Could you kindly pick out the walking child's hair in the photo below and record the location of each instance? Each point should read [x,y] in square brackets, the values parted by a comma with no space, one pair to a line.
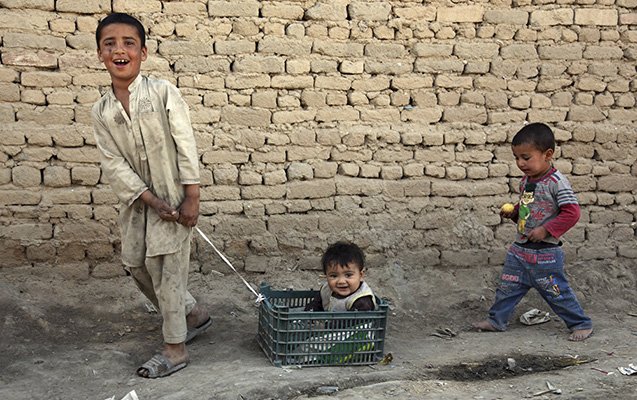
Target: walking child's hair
[342,253]
[537,134]
[120,18]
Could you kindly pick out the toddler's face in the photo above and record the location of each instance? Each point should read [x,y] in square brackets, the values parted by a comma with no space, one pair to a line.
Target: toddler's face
[532,161]
[344,279]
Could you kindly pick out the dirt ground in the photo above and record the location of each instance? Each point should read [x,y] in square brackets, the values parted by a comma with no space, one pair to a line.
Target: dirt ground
[68,339]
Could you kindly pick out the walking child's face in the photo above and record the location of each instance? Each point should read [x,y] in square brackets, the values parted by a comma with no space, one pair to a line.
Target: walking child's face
[121,51]
[531,160]
[344,280]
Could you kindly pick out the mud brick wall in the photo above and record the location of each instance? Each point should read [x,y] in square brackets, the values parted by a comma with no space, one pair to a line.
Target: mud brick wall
[383,122]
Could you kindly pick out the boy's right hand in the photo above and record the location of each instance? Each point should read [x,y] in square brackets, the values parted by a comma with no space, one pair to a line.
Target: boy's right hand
[165,210]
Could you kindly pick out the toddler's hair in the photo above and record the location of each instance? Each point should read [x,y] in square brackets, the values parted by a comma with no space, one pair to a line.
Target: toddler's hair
[536,134]
[342,253]
[120,18]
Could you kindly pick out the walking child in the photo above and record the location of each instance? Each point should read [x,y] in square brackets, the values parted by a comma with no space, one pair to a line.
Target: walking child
[547,209]
[344,266]
[149,156]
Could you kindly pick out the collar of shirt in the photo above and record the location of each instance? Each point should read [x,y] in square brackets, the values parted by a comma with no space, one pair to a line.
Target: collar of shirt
[131,88]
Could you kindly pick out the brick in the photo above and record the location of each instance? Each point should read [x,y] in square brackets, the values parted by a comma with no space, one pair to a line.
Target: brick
[284,46]
[329,11]
[460,14]
[379,11]
[224,156]
[183,8]
[596,17]
[291,117]
[57,176]
[603,53]
[419,13]
[283,11]
[561,52]
[137,6]
[519,52]
[337,114]
[46,5]
[559,16]
[239,8]
[585,113]
[259,64]
[26,176]
[9,92]
[38,58]
[385,50]
[84,7]
[514,17]
[233,47]
[469,188]
[46,79]
[185,48]
[432,50]
[65,196]
[471,51]
[246,116]
[617,183]
[19,20]
[240,81]
[292,82]
[338,49]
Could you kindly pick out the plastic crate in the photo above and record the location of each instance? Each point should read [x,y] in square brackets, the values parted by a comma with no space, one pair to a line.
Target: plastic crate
[291,336]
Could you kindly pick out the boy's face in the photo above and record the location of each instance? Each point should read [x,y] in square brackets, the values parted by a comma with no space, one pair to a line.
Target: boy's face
[344,280]
[121,51]
[532,161]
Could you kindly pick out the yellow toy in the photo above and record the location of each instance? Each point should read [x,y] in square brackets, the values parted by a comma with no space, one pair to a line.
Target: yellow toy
[507,208]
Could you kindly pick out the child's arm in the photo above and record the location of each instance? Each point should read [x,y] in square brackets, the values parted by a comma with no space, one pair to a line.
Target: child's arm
[124,181]
[566,218]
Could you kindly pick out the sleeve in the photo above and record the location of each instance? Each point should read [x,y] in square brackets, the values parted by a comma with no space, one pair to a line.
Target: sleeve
[124,181]
[316,304]
[182,134]
[364,304]
[569,210]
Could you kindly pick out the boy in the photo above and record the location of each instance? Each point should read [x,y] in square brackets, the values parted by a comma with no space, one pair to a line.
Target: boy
[547,209]
[149,157]
[344,266]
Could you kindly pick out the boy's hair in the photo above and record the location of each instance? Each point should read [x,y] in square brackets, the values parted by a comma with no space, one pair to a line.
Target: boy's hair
[536,134]
[343,253]
[120,18]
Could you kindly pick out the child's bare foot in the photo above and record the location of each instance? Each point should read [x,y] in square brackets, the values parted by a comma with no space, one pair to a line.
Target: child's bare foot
[483,326]
[579,335]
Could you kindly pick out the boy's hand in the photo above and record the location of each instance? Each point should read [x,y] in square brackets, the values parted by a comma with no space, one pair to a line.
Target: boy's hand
[165,210]
[537,234]
[189,212]
[189,208]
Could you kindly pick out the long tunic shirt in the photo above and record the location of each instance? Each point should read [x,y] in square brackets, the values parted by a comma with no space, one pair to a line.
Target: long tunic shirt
[153,149]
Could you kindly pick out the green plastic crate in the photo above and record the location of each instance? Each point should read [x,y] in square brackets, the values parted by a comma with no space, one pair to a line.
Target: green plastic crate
[291,336]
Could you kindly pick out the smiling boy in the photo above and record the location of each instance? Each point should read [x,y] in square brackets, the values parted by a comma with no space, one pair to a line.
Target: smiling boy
[345,290]
[149,157]
[547,209]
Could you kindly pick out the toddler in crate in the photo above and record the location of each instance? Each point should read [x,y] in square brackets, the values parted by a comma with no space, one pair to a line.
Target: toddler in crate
[344,268]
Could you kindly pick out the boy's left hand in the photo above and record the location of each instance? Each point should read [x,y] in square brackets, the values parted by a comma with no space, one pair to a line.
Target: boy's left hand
[189,212]
[537,234]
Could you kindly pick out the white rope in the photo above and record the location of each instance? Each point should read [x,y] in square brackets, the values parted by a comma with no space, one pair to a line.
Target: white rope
[259,296]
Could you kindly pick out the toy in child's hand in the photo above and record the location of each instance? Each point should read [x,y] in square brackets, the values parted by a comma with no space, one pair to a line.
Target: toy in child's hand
[507,208]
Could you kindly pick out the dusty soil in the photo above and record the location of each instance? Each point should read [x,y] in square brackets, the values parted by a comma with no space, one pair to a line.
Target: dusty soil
[68,339]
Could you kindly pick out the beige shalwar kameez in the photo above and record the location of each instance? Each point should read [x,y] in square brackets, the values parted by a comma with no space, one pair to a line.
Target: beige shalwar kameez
[153,149]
